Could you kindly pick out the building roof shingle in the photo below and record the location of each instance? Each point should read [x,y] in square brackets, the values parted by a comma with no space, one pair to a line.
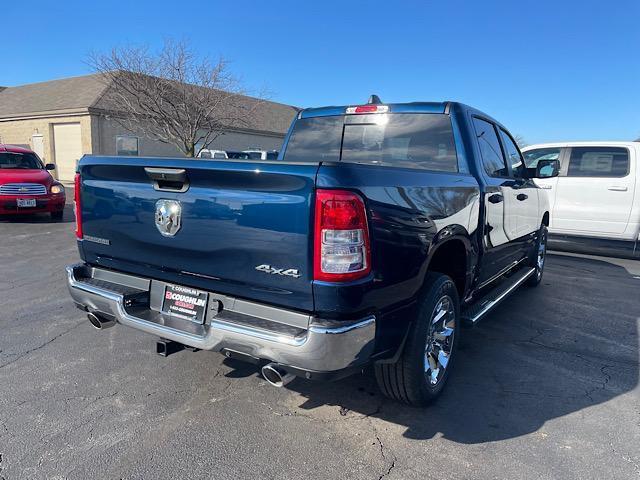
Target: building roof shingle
[86,92]
[65,94]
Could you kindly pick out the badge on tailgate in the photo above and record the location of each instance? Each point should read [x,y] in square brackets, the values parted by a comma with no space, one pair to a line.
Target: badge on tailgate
[168,217]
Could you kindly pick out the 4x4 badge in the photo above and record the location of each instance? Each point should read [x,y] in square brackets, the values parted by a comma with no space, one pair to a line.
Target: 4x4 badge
[287,272]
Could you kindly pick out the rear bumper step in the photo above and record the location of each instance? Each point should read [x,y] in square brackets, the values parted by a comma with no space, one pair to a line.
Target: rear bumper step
[288,338]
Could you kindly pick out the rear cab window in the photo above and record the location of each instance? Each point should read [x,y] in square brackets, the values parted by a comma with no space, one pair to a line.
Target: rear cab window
[408,140]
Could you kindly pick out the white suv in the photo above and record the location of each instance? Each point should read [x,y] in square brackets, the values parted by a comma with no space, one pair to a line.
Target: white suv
[595,200]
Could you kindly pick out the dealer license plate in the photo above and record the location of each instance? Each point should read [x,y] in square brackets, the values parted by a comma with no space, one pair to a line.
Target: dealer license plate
[26,202]
[185,302]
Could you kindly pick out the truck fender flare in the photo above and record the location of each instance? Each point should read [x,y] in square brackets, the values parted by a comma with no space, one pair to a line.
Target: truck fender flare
[445,236]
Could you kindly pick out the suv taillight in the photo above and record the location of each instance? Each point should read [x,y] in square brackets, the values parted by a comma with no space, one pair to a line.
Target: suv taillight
[77,208]
[341,237]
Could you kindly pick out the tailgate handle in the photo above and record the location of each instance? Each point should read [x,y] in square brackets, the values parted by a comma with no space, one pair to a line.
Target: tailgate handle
[168,179]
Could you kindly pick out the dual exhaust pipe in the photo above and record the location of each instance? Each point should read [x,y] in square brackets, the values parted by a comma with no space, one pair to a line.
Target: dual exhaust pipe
[272,373]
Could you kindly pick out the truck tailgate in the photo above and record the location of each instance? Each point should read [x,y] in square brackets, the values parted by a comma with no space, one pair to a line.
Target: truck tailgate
[235,216]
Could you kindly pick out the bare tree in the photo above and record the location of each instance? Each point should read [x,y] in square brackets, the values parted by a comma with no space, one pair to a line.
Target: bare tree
[520,141]
[173,96]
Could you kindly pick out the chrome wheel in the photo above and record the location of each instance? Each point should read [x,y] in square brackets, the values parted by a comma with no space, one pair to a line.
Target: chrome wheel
[440,337]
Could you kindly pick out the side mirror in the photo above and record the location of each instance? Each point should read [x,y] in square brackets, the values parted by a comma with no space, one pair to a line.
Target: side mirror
[547,168]
[50,166]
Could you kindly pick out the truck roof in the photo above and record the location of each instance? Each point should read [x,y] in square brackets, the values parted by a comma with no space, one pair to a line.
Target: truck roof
[411,107]
[414,107]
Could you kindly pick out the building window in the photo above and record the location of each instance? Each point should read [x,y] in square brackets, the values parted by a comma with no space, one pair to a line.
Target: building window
[126,145]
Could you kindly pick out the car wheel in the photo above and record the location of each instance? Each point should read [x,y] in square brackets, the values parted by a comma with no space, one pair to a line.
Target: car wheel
[57,215]
[539,259]
[420,374]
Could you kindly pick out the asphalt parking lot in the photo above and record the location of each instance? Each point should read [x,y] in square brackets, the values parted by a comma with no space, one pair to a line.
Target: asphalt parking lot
[546,387]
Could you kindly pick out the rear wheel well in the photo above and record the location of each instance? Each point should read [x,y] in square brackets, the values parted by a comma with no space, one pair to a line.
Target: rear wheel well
[451,259]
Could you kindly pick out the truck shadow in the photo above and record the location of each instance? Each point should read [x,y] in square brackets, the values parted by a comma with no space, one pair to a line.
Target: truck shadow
[570,344]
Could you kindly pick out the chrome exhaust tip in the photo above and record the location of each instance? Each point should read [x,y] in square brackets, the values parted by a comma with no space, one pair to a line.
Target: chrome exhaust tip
[276,376]
[99,322]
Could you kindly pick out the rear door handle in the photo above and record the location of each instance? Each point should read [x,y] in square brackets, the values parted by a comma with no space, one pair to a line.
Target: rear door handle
[522,196]
[495,198]
[617,188]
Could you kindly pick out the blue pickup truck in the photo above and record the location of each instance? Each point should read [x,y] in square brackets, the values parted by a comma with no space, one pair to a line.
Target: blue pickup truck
[379,231]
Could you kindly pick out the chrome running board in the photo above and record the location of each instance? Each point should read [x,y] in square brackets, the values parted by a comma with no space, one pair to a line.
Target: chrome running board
[472,314]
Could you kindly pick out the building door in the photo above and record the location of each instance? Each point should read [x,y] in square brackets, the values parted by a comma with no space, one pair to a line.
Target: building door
[67,146]
[37,140]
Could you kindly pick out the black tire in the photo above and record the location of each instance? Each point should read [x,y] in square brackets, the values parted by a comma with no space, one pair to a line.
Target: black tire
[538,258]
[57,215]
[409,380]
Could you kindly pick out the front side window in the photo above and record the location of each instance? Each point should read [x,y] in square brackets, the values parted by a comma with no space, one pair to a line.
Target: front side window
[532,157]
[272,155]
[126,145]
[490,150]
[598,162]
[21,161]
[513,155]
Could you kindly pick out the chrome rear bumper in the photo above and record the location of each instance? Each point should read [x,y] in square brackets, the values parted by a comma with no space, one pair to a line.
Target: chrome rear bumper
[288,338]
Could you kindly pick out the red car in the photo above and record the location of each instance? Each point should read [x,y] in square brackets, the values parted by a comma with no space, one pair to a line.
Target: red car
[26,186]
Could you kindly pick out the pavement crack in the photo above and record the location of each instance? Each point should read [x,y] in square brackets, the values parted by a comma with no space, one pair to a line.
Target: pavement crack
[603,384]
[626,458]
[391,465]
[35,349]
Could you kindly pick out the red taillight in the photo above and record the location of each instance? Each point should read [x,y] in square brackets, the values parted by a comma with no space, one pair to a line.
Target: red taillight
[341,237]
[77,205]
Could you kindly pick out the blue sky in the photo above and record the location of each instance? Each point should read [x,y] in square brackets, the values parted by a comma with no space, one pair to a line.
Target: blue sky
[549,70]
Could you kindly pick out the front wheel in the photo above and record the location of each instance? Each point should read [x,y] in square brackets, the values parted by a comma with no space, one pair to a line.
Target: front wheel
[540,255]
[420,374]
[57,216]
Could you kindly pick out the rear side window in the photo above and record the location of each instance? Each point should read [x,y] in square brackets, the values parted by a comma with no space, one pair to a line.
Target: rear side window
[315,139]
[598,162]
[406,140]
[532,157]
[490,150]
